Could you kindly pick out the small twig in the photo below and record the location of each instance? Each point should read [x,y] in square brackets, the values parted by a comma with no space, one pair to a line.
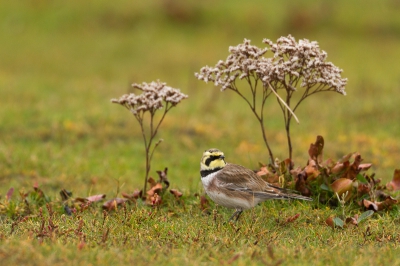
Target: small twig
[287,107]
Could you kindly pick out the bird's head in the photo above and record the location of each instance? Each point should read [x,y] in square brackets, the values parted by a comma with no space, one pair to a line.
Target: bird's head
[212,159]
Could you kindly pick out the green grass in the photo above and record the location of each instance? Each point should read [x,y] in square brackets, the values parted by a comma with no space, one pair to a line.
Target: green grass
[61,63]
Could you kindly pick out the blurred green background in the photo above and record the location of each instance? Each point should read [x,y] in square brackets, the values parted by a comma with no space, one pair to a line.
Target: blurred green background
[62,61]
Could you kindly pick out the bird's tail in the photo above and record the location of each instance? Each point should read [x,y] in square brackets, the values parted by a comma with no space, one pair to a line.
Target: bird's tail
[281,193]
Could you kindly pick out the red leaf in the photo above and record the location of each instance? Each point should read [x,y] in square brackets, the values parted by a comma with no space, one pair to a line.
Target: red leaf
[9,193]
[395,183]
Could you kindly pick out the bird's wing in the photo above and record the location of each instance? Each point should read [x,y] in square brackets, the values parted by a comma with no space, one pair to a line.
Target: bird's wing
[237,177]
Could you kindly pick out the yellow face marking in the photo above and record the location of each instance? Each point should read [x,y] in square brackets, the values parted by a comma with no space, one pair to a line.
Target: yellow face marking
[212,158]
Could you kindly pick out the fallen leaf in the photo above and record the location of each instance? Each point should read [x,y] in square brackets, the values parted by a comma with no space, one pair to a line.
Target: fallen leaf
[394,184]
[315,150]
[292,218]
[96,198]
[157,188]
[134,196]
[354,168]
[155,200]
[342,185]
[311,170]
[65,194]
[364,166]
[300,184]
[369,205]
[352,220]
[329,222]
[113,203]
[363,189]
[151,181]
[176,193]
[263,170]
[163,177]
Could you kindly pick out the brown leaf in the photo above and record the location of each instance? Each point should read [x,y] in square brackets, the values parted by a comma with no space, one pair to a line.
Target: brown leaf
[176,193]
[157,188]
[387,203]
[65,194]
[342,185]
[151,181]
[363,189]
[96,198]
[329,222]
[369,205]
[352,220]
[394,184]
[311,170]
[263,170]
[340,167]
[154,200]
[364,166]
[354,169]
[134,196]
[301,184]
[113,203]
[163,177]
[315,150]
[292,218]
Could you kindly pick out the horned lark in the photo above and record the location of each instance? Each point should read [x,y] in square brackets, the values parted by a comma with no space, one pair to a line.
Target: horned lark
[236,187]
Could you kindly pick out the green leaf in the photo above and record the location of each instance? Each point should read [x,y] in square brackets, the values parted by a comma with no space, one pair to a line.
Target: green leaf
[325,187]
[361,178]
[365,215]
[338,222]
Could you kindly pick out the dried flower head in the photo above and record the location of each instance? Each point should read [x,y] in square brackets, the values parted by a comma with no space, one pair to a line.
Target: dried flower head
[244,60]
[291,62]
[155,95]
[291,66]
[302,60]
[152,98]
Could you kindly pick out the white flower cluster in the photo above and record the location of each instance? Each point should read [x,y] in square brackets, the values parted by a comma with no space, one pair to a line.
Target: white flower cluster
[244,60]
[152,98]
[291,62]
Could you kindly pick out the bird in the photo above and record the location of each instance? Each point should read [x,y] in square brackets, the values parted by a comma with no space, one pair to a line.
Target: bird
[237,187]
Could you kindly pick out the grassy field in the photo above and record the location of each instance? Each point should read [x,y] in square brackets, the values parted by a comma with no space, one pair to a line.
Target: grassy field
[61,63]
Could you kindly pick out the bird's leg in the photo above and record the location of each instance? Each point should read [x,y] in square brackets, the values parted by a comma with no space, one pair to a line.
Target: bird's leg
[237,213]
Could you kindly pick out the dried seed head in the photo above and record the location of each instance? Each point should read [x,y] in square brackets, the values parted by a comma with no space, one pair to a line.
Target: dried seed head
[302,60]
[153,97]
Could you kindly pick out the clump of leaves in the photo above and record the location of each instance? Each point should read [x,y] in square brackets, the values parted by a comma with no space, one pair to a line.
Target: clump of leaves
[335,182]
[154,96]
[293,67]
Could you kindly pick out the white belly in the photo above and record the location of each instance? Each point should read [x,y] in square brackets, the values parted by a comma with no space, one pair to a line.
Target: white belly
[227,200]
